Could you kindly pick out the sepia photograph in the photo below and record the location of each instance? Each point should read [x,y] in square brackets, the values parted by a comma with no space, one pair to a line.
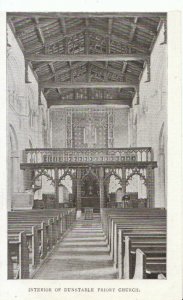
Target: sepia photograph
[87,145]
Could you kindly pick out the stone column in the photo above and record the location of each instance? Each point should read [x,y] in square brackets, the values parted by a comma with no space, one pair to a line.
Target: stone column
[150,187]
[101,187]
[56,187]
[78,183]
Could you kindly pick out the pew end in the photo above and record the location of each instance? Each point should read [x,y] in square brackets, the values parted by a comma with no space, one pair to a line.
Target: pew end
[140,265]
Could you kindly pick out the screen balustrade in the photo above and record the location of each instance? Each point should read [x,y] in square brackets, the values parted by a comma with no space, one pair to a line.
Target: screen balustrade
[110,155]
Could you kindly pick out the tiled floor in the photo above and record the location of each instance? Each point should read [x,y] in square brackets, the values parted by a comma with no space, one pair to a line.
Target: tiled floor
[82,254]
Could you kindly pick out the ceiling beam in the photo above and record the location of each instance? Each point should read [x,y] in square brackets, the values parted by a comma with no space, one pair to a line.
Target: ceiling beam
[102,33]
[89,66]
[133,26]
[54,15]
[39,31]
[110,23]
[54,74]
[119,39]
[88,102]
[86,37]
[85,57]
[145,27]
[124,67]
[26,29]
[46,92]
[52,68]
[115,71]
[108,42]
[76,85]
[60,71]
[62,22]
[71,71]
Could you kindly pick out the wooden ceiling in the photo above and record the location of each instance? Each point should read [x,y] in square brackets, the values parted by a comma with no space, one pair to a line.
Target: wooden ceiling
[87,58]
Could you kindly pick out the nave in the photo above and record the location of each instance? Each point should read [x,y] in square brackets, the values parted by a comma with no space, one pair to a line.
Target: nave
[82,254]
[87,121]
[116,244]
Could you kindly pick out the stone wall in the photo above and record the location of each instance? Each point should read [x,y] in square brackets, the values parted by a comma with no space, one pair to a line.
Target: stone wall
[27,122]
[148,120]
[120,128]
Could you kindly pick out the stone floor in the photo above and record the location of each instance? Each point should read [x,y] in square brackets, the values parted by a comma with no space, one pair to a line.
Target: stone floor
[82,254]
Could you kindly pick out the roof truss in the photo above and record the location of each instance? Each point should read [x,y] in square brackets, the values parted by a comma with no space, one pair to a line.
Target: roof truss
[72,51]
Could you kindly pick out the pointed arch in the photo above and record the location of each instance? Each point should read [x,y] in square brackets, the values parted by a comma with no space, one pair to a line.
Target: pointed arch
[113,173]
[136,172]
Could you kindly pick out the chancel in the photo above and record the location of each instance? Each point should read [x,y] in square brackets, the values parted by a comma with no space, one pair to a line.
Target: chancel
[87,145]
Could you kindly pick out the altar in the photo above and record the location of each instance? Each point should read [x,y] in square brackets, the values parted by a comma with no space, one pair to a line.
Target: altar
[91,201]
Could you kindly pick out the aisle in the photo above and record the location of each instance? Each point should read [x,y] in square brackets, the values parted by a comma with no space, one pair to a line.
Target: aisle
[82,254]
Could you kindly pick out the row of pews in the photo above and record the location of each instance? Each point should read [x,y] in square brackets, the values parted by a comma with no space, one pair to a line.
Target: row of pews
[31,237]
[137,241]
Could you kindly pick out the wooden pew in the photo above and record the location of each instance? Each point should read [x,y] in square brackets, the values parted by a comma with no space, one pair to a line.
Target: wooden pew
[31,239]
[154,248]
[161,276]
[141,232]
[62,218]
[132,214]
[148,224]
[145,266]
[45,230]
[107,216]
[41,228]
[106,213]
[139,223]
[53,217]
[37,217]
[17,249]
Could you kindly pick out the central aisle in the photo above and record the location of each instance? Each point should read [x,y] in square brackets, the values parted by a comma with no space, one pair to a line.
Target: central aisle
[82,254]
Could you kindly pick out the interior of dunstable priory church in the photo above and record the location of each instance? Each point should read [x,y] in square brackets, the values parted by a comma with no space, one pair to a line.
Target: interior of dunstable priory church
[86,145]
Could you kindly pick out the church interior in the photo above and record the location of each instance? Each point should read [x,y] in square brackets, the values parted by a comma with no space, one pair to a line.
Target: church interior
[87,145]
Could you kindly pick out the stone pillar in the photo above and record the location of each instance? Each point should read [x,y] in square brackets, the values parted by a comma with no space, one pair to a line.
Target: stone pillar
[78,183]
[123,182]
[101,187]
[150,187]
[56,187]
